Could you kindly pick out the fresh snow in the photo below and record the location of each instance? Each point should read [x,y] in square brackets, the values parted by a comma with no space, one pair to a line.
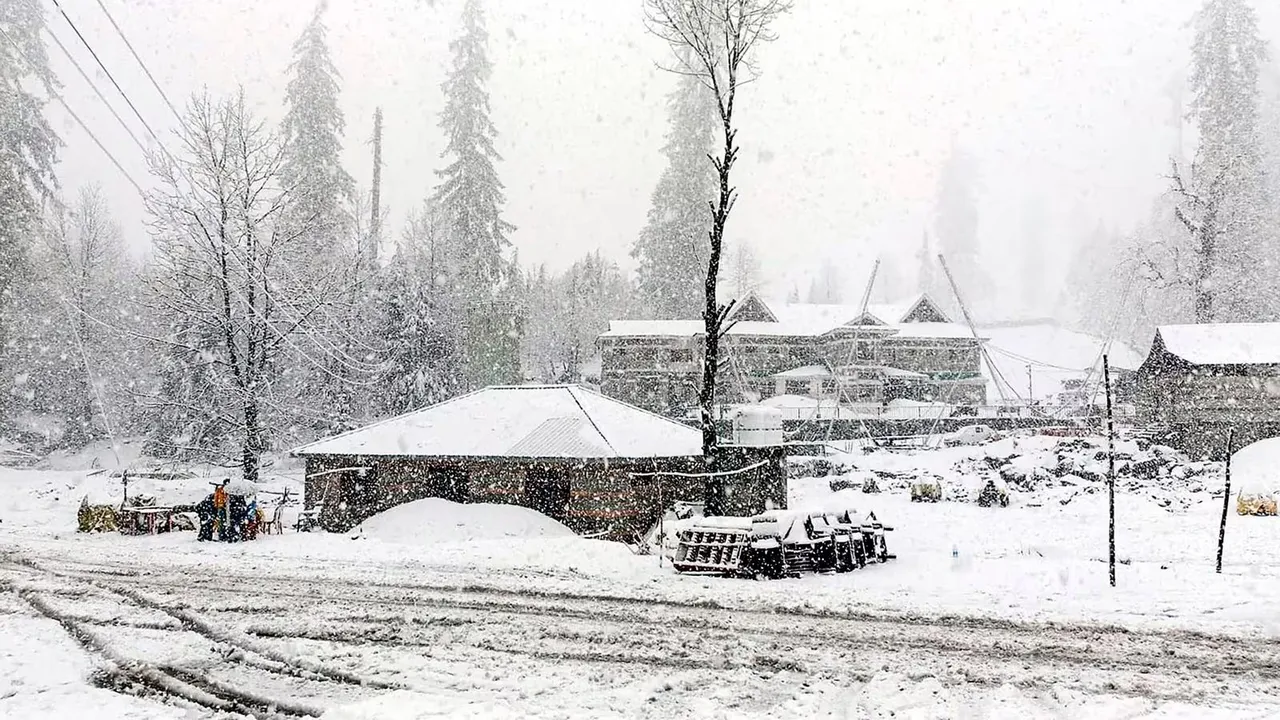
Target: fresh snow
[1224,343]
[537,421]
[508,614]
[434,520]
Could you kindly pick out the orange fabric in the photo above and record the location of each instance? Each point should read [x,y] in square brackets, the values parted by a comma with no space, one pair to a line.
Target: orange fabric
[219,497]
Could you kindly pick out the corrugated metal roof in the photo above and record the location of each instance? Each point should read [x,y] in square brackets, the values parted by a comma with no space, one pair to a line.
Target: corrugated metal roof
[560,437]
[534,421]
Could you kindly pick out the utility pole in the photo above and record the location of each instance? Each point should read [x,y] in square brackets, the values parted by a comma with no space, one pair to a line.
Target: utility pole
[1031,391]
[1226,499]
[375,222]
[1111,472]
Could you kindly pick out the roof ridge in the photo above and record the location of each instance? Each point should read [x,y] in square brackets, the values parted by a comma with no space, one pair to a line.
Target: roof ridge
[594,426]
[629,406]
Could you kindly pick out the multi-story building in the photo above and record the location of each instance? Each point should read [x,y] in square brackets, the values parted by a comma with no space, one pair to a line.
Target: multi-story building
[900,351]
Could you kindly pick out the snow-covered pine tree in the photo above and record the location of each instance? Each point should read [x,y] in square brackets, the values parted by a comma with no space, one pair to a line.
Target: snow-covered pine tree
[672,248]
[28,144]
[323,202]
[81,269]
[956,227]
[322,192]
[926,269]
[417,352]
[1221,198]
[1030,250]
[827,287]
[567,312]
[741,272]
[470,199]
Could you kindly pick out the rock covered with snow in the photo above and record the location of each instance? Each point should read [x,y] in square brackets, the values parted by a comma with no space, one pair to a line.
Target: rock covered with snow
[1036,465]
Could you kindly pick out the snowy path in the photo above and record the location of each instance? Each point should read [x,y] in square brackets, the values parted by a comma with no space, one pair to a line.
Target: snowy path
[285,644]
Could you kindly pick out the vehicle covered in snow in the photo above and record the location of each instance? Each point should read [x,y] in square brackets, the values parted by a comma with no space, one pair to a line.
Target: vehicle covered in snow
[781,543]
[970,435]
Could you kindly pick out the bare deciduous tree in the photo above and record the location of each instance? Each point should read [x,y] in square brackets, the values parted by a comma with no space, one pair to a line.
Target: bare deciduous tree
[715,41]
[1199,207]
[222,249]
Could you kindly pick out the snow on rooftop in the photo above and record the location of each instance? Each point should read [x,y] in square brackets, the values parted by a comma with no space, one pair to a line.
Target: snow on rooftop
[654,328]
[535,421]
[801,320]
[1224,343]
[932,330]
[803,373]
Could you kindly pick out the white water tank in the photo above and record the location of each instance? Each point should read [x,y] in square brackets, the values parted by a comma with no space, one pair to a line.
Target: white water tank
[757,426]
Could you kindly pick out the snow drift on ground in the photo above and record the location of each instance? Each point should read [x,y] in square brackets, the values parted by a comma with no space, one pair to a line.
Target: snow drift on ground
[434,520]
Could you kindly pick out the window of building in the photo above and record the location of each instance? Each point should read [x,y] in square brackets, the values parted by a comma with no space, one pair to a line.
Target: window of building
[681,356]
[797,387]
[864,351]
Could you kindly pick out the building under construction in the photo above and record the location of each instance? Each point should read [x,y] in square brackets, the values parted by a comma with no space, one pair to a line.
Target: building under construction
[870,354]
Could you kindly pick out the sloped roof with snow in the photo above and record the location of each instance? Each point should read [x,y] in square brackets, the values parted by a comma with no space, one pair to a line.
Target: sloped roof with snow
[804,373]
[805,320]
[1223,343]
[534,421]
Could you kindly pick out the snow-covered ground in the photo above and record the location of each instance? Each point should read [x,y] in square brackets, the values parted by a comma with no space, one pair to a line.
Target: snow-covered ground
[986,613]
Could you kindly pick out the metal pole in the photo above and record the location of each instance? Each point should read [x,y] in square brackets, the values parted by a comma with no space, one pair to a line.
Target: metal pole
[1111,473]
[1226,499]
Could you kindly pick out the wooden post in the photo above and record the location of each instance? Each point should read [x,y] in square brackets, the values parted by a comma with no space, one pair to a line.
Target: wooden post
[1226,499]
[1111,473]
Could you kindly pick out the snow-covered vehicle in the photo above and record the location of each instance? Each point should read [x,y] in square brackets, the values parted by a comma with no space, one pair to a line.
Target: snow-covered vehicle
[970,435]
[780,543]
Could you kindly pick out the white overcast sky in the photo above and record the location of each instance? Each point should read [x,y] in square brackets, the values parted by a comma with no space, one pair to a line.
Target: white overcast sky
[843,135]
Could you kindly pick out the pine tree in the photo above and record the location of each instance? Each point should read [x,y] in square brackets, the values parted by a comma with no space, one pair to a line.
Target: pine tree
[470,199]
[1031,244]
[322,190]
[673,247]
[827,287]
[956,226]
[419,360]
[926,276]
[324,206]
[1221,198]
[28,144]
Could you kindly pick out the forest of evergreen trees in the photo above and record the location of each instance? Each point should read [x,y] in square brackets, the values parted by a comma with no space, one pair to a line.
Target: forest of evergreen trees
[275,305]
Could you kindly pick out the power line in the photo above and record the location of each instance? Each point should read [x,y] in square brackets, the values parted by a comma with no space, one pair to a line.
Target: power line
[96,91]
[336,353]
[141,64]
[110,77]
[56,96]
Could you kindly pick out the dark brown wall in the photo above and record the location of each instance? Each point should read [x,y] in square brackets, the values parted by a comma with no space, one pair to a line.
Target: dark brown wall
[620,498]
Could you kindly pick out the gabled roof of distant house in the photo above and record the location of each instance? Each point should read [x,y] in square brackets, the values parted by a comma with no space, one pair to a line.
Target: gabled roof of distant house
[528,422]
[1221,343]
[919,316]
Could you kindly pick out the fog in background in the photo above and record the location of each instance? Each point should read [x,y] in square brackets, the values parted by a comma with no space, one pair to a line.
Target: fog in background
[1070,110]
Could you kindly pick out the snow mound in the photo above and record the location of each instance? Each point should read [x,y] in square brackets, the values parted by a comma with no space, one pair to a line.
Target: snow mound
[436,520]
[1254,467]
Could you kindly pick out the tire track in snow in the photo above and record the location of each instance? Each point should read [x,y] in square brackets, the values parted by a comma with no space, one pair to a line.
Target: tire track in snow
[122,674]
[572,628]
[184,684]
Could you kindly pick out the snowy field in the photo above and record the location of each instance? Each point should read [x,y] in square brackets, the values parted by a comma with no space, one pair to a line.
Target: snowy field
[446,611]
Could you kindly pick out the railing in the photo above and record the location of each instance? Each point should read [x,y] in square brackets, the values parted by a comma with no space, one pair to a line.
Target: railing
[943,412]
